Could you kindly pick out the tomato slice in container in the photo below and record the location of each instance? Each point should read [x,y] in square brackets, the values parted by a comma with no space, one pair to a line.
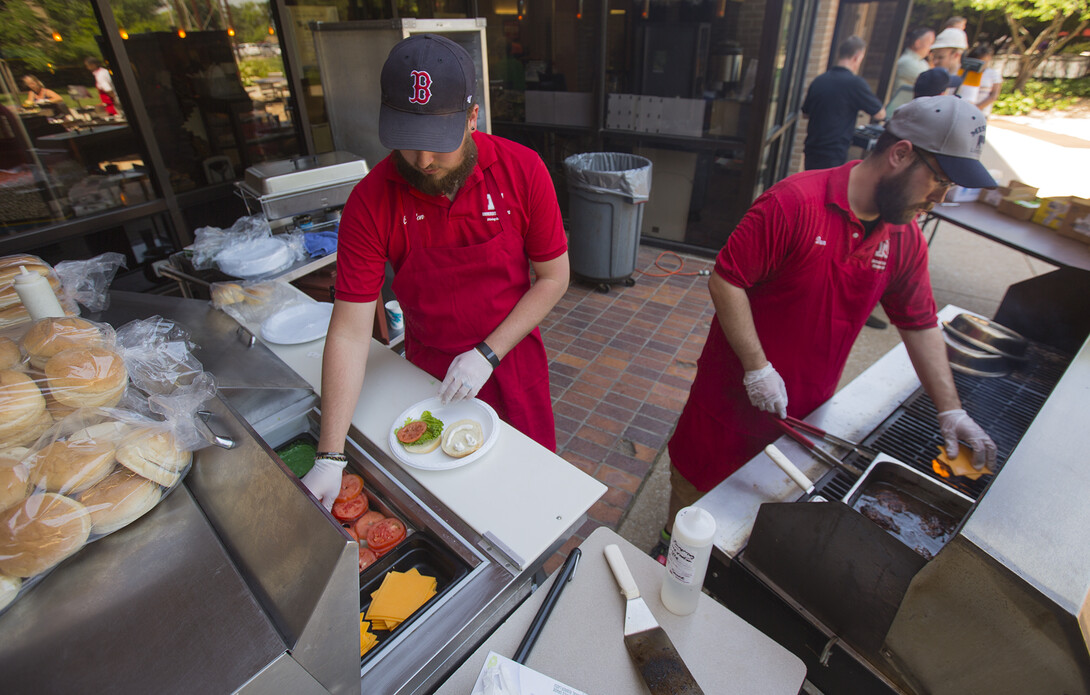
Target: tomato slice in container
[350,510]
[351,528]
[367,558]
[384,535]
[351,486]
[366,521]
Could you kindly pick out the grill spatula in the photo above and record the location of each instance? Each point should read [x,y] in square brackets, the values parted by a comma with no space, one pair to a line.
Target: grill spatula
[656,658]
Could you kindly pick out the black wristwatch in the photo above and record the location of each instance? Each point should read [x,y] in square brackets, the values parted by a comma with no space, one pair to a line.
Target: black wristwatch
[488,354]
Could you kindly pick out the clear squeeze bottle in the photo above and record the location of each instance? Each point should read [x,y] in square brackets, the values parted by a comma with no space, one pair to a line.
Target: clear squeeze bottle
[687,560]
[37,295]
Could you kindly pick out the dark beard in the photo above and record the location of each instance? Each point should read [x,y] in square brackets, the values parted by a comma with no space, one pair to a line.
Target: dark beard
[447,185]
[893,204]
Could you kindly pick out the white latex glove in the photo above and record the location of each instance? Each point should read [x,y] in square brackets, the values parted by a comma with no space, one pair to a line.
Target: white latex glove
[766,390]
[324,480]
[955,425]
[465,376]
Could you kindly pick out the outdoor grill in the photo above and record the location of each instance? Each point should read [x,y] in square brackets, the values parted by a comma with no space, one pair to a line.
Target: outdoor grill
[1000,608]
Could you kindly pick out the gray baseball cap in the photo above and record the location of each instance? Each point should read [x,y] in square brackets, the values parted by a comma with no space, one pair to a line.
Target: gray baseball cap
[427,84]
[950,128]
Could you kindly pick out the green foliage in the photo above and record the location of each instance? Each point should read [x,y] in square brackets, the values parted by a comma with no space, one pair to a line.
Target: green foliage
[253,67]
[1041,95]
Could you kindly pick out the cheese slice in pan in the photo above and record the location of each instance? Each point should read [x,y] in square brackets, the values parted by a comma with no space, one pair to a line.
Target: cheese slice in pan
[399,596]
[962,464]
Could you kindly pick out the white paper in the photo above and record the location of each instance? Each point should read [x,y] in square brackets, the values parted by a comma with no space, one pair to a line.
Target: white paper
[501,676]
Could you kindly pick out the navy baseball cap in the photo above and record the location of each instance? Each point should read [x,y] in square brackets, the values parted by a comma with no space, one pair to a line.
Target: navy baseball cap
[427,84]
[950,128]
[931,82]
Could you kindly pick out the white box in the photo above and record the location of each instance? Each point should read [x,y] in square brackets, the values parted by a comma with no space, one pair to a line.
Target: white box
[957,194]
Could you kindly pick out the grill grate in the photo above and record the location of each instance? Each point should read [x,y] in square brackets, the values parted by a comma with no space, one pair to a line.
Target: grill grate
[1003,406]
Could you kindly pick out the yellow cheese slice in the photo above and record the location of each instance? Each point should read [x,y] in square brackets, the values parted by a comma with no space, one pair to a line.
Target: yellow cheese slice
[961,465]
[398,597]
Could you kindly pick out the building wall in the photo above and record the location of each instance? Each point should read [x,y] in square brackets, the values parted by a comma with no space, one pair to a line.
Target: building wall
[820,50]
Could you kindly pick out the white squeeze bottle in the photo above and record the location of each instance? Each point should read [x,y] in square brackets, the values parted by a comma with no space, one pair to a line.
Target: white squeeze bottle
[37,295]
[687,560]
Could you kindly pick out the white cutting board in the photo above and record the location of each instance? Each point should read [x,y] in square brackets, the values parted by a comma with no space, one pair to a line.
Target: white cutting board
[519,493]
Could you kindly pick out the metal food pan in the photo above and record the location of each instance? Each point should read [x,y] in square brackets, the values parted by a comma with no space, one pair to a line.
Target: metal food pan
[924,494]
[420,552]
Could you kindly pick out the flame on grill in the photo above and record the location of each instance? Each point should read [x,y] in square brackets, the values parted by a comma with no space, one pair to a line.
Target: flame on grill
[941,468]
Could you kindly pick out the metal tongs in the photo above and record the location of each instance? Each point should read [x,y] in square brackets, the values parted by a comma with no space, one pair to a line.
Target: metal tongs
[794,428]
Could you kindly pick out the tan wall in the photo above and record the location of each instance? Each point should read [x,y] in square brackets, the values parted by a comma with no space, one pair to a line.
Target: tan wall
[821,48]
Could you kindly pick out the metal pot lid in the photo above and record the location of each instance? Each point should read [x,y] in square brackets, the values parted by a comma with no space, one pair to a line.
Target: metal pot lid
[988,336]
[967,359]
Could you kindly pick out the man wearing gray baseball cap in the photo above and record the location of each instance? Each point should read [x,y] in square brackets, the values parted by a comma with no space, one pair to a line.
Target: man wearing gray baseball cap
[462,217]
[798,278]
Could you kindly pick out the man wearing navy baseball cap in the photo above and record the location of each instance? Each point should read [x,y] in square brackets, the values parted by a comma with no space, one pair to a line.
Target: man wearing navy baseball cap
[800,274]
[462,217]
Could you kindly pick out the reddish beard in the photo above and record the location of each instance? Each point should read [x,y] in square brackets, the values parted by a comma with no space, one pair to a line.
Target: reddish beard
[450,182]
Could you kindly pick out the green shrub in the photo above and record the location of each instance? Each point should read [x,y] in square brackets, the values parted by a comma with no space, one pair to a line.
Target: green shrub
[1041,95]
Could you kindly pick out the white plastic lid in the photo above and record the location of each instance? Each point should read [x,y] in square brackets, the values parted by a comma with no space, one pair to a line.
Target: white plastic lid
[694,525]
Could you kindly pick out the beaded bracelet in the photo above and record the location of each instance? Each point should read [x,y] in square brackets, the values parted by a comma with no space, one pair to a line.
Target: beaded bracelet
[331,456]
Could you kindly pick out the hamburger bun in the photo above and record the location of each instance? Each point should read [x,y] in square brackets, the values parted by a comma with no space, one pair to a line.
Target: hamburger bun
[9,589]
[72,465]
[21,401]
[226,293]
[86,377]
[29,433]
[155,454]
[14,479]
[120,499]
[42,530]
[462,438]
[49,336]
[10,356]
[425,448]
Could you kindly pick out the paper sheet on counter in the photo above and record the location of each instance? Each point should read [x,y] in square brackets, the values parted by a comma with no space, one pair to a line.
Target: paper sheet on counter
[502,676]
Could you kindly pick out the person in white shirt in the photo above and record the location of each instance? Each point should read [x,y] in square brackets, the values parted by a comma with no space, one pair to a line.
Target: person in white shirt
[991,82]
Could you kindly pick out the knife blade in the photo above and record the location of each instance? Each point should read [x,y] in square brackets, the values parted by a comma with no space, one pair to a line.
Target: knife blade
[655,656]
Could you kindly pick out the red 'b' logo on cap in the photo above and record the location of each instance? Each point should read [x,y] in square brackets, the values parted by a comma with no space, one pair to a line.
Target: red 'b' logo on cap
[421,87]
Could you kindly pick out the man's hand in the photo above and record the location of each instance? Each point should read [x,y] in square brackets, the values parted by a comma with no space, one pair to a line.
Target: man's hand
[766,390]
[324,480]
[955,425]
[465,376]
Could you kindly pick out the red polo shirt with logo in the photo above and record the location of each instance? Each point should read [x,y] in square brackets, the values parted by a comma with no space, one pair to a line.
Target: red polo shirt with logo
[371,233]
[813,276]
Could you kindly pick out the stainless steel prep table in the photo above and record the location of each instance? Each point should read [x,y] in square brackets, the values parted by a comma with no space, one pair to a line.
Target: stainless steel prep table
[260,591]
[582,644]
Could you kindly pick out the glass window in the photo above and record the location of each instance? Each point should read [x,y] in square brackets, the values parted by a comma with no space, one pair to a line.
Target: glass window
[214,85]
[67,149]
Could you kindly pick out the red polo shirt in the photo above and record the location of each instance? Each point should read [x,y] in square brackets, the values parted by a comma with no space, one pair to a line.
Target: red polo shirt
[813,277]
[372,231]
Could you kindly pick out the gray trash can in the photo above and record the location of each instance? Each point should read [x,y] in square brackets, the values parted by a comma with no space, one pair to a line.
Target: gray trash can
[606,193]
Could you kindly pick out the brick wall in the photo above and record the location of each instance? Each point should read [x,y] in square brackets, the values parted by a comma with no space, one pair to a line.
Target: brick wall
[821,47]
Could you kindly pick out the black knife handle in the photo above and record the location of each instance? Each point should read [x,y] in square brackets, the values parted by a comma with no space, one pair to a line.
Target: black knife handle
[567,571]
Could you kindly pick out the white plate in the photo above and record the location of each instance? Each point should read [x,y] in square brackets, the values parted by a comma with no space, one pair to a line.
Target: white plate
[254,257]
[299,323]
[452,412]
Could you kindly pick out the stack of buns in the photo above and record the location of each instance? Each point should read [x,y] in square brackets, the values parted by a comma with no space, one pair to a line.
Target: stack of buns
[23,414]
[12,311]
[55,497]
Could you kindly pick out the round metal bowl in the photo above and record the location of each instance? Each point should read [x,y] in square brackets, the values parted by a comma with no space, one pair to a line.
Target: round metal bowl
[988,336]
[968,359]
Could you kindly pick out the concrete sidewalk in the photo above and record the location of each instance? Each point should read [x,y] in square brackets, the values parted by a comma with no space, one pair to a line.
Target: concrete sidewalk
[967,270]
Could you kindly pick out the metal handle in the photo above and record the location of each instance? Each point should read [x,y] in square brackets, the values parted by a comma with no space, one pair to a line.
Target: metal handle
[621,572]
[223,442]
[562,578]
[789,468]
[245,336]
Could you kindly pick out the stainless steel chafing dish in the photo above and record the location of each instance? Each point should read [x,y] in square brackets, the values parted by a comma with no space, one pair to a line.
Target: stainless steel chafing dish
[300,185]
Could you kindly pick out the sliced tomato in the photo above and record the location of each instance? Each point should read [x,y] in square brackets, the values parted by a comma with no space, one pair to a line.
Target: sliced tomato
[351,486]
[412,431]
[351,528]
[367,558]
[365,522]
[384,535]
[350,510]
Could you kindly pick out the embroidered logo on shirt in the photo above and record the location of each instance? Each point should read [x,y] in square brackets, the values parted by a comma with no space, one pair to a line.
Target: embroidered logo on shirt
[419,216]
[878,262]
[490,213]
[819,241]
[421,87]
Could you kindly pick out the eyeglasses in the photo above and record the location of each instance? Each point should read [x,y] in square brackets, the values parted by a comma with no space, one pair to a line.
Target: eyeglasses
[943,182]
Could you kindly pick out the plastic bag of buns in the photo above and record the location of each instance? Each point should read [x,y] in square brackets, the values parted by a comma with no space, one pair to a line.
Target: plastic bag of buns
[159,355]
[12,311]
[253,302]
[96,471]
[88,281]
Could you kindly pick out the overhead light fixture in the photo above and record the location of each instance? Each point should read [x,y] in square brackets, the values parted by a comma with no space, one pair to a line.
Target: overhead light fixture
[124,34]
[272,32]
[57,37]
[579,13]
[181,33]
[230,31]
